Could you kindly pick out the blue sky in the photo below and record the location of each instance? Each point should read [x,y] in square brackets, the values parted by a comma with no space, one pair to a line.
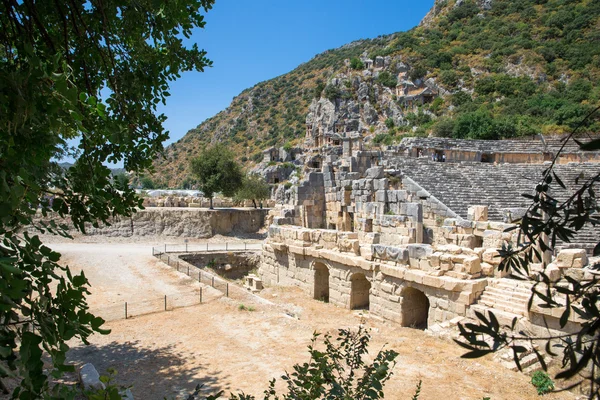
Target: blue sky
[253,41]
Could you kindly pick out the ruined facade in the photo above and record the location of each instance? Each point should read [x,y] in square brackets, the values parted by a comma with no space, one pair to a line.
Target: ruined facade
[413,239]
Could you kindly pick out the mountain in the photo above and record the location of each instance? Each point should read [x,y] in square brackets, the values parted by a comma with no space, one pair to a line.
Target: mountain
[485,69]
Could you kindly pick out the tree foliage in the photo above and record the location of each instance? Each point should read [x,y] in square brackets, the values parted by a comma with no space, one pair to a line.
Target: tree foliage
[253,188]
[552,218]
[94,71]
[217,172]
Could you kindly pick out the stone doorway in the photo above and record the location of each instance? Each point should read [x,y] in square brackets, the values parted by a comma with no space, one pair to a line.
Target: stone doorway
[321,289]
[415,308]
[359,292]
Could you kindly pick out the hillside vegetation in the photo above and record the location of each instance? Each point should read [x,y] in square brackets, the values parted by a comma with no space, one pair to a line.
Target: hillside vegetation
[504,68]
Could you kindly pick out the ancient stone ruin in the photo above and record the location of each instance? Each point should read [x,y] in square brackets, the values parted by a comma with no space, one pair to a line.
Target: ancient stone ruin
[410,232]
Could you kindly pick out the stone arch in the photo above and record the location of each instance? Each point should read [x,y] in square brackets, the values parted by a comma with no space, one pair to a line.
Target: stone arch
[321,281]
[415,308]
[360,288]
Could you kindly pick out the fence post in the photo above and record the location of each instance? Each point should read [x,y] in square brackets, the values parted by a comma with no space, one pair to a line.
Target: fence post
[165,302]
[213,282]
[207,246]
[168,260]
[153,251]
[186,247]
[200,295]
[125,310]
[227,290]
[225,246]
[188,271]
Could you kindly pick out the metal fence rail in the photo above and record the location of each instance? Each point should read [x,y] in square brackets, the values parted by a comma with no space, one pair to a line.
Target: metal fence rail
[128,309]
[199,248]
[229,289]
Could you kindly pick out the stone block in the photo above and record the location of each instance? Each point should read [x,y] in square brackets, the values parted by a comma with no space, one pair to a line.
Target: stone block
[419,250]
[477,213]
[386,287]
[574,273]
[487,269]
[472,265]
[375,173]
[90,378]
[553,272]
[491,256]
[380,196]
[571,258]
[380,184]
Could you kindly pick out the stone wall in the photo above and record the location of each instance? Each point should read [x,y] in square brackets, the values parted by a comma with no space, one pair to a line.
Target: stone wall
[439,298]
[231,265]
[193,223]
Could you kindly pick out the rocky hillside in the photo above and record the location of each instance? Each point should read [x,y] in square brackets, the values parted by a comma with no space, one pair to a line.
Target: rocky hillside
[489,69]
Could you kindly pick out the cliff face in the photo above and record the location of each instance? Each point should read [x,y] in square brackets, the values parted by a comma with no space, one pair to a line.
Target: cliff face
[484,69]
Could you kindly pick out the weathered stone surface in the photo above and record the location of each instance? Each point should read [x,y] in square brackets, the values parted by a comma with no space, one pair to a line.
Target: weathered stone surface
[374,173]
[90,378]
[571,258]
[478,213]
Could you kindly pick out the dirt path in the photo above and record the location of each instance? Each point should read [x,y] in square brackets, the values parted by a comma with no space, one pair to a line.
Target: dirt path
[167,354]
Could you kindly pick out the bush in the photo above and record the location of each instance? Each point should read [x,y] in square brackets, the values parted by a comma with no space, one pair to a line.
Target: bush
[332,93]
[387,79]
[444,127]
[449,78]
[356,63]
[542,382]
[389,123]
[418,72]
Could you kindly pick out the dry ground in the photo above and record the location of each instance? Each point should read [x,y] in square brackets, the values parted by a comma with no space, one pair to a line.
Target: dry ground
[167,354]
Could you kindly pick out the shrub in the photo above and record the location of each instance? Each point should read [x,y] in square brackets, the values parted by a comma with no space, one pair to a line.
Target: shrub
[542,382]
[389,123]
[418,72]
[387,79]
[356,63]
[332,92]
[444,127]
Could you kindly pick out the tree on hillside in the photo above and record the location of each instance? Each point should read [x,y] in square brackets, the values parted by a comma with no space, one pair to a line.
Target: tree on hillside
[548,220]
[217,172]
[254,188]
[93,71]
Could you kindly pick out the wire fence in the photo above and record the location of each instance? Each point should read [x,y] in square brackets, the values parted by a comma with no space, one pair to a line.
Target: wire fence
[129,309]
[205,247]
[229,289]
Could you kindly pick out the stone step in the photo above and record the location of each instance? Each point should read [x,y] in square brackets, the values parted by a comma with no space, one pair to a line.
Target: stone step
[503,306]
[506,301]
[503,317]
[516,296]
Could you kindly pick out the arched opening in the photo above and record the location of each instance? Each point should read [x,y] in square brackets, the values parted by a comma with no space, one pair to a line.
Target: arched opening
[359,292]
[415,308]
[321,291]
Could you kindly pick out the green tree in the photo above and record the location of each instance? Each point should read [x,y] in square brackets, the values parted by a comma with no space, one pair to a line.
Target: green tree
[88,70]
[254,188]
[217,172]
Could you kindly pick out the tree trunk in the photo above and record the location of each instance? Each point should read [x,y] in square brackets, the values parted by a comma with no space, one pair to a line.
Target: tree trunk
[211,205]
[254,203]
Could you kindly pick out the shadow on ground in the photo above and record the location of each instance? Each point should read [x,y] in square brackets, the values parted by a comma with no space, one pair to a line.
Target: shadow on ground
[155,373]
